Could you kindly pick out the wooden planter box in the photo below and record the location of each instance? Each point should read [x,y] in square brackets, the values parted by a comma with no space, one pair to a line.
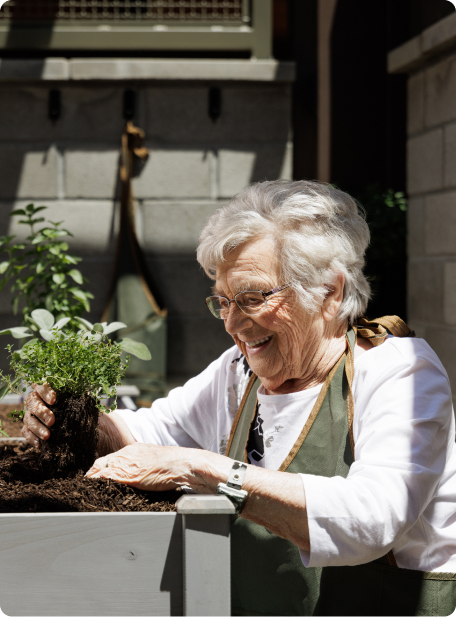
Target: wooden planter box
[118,564]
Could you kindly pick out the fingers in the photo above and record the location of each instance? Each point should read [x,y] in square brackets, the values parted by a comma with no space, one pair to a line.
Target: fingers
[36,420]
[31,438]
[37,408]
[46,393]
[100,464]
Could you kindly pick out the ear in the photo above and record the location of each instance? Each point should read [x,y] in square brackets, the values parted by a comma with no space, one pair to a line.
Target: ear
[333,300]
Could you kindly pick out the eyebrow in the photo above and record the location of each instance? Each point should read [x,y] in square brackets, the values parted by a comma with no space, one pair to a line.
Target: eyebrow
[241,286]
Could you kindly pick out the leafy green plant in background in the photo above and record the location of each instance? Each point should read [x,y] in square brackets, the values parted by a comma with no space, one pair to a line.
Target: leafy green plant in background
[75,363]
[41,272]
[386,257]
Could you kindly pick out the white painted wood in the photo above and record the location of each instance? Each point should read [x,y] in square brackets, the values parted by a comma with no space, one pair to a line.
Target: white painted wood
[206,537]
[205,504]
[91,564]
[11,441]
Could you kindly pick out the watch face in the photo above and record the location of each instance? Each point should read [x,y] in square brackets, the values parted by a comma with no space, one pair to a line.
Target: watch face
[237,497]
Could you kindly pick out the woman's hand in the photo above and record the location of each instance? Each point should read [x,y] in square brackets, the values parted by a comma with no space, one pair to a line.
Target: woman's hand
[37,416]
[276,500]
[156,468]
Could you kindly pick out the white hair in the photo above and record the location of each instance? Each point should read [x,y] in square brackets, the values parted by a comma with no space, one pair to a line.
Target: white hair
[319,232]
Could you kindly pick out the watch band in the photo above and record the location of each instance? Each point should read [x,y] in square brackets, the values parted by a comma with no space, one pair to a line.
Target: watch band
[232,488]
[237,475]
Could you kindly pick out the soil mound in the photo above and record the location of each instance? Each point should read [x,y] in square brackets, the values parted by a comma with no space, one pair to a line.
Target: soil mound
[73,446]
[28,484]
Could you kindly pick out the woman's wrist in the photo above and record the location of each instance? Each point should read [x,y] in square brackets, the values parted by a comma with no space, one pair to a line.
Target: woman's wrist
[208,470]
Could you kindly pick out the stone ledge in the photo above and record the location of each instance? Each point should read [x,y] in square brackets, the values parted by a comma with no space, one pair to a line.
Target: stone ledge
[431,42]
[55,69]
[145,69]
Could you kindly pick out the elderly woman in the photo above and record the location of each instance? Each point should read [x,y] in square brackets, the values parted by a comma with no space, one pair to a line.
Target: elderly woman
[345,463]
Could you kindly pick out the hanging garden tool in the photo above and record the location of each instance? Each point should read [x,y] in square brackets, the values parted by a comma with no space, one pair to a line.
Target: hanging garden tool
[131,299]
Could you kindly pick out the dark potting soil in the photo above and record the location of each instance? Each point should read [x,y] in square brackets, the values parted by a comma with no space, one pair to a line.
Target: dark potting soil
[51,479]
[25,486]
[74,436]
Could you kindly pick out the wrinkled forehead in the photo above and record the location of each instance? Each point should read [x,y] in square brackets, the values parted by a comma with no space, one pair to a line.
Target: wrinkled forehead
[253,265]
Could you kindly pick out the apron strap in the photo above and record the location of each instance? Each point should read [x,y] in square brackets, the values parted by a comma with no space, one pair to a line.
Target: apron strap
[378,329]
[240,431]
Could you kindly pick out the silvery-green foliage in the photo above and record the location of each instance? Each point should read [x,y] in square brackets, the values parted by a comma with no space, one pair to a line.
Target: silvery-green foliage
[48,336]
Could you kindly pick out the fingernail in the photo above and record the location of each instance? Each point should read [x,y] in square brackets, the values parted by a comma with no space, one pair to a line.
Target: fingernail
[43,432]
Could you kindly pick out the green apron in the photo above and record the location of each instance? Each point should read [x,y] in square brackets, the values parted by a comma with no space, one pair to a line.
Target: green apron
[267,574]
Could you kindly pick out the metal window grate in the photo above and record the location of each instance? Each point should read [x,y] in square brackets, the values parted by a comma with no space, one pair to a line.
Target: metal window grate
[117,10]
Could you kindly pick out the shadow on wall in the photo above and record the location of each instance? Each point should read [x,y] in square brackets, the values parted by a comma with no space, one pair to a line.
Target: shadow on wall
[18,39]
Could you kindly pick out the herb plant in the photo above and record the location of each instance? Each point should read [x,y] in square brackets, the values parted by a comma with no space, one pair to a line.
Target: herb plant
[41,271]
[76,363]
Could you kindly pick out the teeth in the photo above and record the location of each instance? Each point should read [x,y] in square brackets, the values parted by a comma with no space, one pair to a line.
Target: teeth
[258,342]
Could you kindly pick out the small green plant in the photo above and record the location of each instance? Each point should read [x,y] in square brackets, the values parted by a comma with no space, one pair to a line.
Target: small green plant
[76,363]
[42,273]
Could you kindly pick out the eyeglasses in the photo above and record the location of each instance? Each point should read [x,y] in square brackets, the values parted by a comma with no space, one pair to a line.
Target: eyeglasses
[249,302]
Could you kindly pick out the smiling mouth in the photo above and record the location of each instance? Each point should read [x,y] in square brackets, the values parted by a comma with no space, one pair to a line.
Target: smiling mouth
[259,342]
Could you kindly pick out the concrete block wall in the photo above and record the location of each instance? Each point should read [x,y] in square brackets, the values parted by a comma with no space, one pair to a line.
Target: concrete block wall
[195,166]
[432,186]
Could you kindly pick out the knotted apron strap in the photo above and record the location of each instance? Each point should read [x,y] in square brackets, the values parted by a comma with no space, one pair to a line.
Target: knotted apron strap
[378,329]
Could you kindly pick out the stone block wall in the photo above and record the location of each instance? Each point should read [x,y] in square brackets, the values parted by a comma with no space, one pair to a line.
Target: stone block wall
[195,166]
[430,61]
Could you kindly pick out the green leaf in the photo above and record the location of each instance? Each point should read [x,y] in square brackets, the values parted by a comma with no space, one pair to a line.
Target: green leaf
[62,322]
[25,347]
[4,266]
[19,332]
[18,212]
[87,325]
[112,327]
[98,327]
[40,267]
[136,349]
[30,208]
[47,335]
[43,319]
[55,250]
[4,390]
[76,276]
[49,302]
[81,296]
[58,278]
[39,209]
[15,304]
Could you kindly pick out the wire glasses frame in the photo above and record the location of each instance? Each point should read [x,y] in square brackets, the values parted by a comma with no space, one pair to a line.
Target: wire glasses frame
[250,302]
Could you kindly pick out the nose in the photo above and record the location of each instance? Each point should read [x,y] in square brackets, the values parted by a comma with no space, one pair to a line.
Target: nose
[236,320]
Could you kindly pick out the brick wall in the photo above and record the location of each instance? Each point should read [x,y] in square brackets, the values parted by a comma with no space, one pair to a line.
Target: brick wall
[430,60]
[195,166]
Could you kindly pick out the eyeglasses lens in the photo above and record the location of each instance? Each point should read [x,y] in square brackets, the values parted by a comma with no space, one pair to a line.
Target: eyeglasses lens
[250,302]
[219,307]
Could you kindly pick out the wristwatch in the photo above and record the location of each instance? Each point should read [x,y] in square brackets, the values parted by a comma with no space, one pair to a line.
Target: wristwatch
[232,489]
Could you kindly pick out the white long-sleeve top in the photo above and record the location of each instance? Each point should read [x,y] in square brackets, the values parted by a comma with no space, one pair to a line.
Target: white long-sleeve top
[400,492]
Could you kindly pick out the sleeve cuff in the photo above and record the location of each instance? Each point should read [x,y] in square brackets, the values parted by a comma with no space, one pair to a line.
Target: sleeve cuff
[128,416]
